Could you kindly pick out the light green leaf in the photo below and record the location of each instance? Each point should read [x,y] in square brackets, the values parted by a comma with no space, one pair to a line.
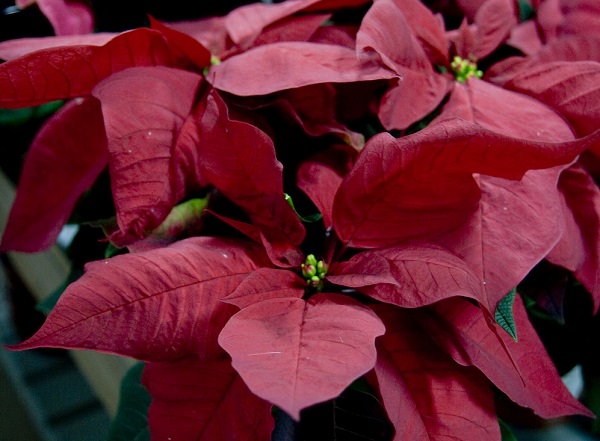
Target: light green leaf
[15,117]
[131,422]
[505,431]
[306,219]
[526,11]
[591,396]
[183,217]
[504,314]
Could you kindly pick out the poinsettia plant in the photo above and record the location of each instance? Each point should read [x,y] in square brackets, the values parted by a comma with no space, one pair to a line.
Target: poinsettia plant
[322,201]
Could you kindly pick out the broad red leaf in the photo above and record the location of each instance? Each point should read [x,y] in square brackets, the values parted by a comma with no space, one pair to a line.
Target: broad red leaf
[265,284]
[434,168]
[526,213]
[156,306]
[529,380]
[142,131]
[320,177]
[526,38]
[502,71]
[11,49]
[68,17]
[426,394]
[72,71]
[209,31]
[409,275]
[203,401]
[246,23]
[239,160]
[400,51]
[297,64]
[580,17]
[579,247]
[279,251]
[337,34]
[470,7]
[299,28]
[505,112]
[295,353]
[314,109]
[427,28]
[571,88]
[185,45]
[213,32]
[64,160]
[517,223]
[463,40]
[548,17]
[569,48]
[494,21]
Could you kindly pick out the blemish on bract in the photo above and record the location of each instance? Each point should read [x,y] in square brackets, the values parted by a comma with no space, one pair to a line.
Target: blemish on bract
[264,353]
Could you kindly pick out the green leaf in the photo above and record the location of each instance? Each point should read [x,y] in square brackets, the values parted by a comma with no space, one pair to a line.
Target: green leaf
[183,217]
[505,431]
[504,314]
[112,250]
[306,219]
[356,414]
[526,11]
[534,310]
[15,117]
[144,435]
[591,396]
[131,421]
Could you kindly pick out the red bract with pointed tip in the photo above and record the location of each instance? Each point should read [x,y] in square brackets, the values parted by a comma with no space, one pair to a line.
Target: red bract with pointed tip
[66,16]
[437,165]
[72,71]
[569,88]
[420,386]
[578,249]
[463,332]
[56,172]
[190,397]
[142,134]
[323,345]
[11,49]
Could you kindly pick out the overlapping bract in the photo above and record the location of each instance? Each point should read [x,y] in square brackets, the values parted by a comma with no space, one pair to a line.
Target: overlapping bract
[477,182]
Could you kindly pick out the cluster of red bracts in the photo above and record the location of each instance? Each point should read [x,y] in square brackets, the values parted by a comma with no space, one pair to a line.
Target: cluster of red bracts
[443,170]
